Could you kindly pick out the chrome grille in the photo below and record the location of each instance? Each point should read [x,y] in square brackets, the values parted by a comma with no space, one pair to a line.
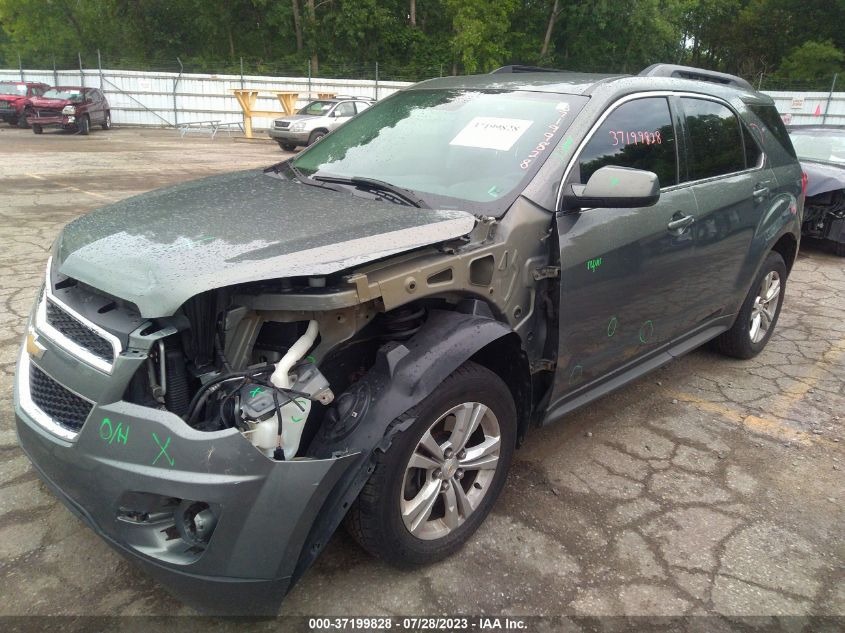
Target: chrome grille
[64,407]
[79,333]
[282,124]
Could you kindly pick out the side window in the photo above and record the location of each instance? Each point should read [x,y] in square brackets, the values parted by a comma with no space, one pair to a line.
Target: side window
[715,139]
[752,149]
[361,105]
[345,109]
[637,134]
[772,134]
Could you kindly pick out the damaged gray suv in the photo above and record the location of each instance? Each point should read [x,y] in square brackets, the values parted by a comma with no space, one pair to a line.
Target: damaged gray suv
[216,375]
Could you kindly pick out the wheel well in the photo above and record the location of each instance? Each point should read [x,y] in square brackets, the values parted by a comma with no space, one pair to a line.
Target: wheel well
[787,247]
[505,357]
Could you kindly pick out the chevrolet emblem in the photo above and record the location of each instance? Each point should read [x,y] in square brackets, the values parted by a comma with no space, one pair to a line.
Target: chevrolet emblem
[33,347]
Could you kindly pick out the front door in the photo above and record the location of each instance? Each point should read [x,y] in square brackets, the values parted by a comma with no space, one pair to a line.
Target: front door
[625,273]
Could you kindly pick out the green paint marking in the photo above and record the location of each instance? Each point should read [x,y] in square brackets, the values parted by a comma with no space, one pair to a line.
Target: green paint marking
[493,191]
[109,432]
[563,147]
[295,419]
[611,327]
[310,359]
[255,392]
[614,181]
[163,450]
[646,331]
[592,264]
[576,374]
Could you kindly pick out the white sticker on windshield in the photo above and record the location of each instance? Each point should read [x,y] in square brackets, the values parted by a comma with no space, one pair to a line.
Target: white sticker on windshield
[487,132]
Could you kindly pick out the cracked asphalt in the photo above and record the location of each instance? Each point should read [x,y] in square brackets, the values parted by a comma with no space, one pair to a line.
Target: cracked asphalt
[712,486]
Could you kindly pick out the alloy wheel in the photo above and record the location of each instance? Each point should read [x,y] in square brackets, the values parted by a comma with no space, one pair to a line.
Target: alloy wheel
[450,470]
[765,306]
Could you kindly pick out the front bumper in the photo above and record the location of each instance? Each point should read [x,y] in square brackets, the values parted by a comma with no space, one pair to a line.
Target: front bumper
[118,482]
[63,120]
[286,136]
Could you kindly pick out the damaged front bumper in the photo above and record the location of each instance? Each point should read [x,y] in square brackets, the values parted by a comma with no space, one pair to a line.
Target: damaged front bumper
[131,471]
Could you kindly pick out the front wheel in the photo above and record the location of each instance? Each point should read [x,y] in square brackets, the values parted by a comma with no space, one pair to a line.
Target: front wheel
[107,121]
[315,136]
[84,125]
[439,479]
[22,122]
[759,313]
[37,129]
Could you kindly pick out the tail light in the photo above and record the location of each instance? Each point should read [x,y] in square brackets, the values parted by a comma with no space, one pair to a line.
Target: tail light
[805,180]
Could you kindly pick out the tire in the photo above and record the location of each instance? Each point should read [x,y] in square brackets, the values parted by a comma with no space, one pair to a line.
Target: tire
[375,520]
[37,129]
[288,147]
[738,342]
[22,122]
[315,136]
[84,125]
[106,125]
[839,248]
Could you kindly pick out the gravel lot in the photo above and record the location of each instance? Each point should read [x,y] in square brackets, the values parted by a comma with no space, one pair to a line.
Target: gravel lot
[710,487]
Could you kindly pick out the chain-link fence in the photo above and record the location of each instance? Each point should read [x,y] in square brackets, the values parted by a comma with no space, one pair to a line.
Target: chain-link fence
[175,92]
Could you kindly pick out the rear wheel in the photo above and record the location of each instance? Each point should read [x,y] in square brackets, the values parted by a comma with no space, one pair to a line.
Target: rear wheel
[439,479]
[315,136]
[37,129]
[288,147]
[106,125]
[84,125]
[758,316]
[839,248]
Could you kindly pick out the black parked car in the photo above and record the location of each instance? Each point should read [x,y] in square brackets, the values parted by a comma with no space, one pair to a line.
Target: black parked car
[821,150]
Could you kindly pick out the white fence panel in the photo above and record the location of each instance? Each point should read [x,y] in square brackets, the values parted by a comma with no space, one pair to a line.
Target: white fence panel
[164,99]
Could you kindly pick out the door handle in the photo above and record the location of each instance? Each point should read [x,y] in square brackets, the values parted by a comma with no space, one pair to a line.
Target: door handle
[680,222]
[761,192]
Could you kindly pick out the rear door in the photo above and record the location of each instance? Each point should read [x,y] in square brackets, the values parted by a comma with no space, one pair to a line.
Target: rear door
[625,274]
[733,189]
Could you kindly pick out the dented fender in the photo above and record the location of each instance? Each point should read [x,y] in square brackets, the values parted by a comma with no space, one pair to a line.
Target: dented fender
[403,375]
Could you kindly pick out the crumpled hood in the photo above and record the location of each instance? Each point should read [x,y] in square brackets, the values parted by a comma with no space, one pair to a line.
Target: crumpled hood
[822,177]
[159,249]
[53,104]
[11,97]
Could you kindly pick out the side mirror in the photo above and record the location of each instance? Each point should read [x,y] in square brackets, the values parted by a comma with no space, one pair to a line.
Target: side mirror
[614,187]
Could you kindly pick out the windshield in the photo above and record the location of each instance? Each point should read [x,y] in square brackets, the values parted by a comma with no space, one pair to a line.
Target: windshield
[12,89]
[823,145]
[317,108]
[63,93]
[452,147]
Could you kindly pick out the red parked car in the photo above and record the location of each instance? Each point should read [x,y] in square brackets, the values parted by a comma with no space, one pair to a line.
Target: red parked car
[70,108]
[15,100]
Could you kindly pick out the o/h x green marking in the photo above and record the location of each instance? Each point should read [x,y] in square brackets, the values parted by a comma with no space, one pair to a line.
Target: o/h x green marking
[163,450]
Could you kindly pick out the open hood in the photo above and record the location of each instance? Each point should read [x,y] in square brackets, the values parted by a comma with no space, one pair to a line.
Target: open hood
[159,249]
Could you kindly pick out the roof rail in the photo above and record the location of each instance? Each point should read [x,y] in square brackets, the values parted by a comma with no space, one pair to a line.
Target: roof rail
[519,68]
[697,74]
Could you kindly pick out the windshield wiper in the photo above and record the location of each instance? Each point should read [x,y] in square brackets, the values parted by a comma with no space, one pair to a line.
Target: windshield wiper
[371,184]
[306,180]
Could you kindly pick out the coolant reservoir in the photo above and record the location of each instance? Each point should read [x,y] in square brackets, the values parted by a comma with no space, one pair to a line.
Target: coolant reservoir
[266,433]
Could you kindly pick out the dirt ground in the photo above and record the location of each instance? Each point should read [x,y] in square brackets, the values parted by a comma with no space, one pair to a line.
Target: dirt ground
[709,487]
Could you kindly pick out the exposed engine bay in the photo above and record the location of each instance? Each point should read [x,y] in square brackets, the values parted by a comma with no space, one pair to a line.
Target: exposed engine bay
[243,358]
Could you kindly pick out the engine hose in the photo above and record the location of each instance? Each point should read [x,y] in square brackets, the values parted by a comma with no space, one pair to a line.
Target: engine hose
[200,395]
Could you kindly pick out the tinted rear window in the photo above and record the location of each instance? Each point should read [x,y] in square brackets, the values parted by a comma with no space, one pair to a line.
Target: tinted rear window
[773,136]
[716,139]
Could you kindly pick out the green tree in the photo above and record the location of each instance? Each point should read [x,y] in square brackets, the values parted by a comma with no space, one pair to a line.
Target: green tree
[480,31]
[812,62]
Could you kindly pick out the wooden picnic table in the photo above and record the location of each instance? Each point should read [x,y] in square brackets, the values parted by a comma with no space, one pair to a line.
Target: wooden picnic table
[247,97]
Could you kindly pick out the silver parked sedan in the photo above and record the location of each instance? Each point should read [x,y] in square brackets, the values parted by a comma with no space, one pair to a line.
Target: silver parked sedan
[316,120]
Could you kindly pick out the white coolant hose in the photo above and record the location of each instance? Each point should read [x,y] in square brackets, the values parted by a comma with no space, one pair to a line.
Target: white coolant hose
[281,375]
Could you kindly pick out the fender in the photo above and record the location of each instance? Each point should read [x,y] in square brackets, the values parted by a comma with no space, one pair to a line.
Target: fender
[360,420]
